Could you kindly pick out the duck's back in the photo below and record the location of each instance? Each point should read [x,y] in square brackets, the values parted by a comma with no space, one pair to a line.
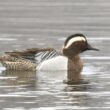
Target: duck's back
[47,59]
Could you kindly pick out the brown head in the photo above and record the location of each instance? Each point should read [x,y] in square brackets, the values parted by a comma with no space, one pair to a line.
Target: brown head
[76,44]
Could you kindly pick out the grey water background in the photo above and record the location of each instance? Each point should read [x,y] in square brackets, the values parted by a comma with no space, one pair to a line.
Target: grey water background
[46,23]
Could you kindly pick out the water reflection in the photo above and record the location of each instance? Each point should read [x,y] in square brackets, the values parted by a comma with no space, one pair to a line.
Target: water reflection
[78,87]
[19,77]
[32,90]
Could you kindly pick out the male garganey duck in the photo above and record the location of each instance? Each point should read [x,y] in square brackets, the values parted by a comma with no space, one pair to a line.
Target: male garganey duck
[49,58]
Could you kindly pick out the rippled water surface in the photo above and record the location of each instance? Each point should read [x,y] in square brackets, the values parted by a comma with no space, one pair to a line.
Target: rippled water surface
[46,23]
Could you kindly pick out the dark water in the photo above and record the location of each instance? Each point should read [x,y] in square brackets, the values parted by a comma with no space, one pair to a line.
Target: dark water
[39,23]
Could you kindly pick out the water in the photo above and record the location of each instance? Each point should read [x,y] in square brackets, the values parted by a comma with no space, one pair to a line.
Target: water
[46,23]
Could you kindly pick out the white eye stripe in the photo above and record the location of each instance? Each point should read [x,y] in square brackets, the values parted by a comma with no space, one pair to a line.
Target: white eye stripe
[75,39]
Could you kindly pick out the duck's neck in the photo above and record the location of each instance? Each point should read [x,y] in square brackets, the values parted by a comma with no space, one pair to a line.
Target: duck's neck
[75,67]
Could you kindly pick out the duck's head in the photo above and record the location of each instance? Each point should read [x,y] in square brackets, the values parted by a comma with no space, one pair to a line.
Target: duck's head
[76,44]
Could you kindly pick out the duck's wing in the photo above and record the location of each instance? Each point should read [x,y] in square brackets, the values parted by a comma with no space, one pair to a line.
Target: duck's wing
[45,55]
[35,54]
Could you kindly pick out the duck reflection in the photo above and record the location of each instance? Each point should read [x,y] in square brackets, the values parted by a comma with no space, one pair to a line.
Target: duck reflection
[78,87]
[27,78]
[78,94]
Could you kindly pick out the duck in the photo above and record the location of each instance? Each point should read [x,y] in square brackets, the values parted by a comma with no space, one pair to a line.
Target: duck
[45,59]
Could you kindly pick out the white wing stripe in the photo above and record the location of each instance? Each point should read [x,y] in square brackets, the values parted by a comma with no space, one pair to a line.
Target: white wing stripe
[41,56]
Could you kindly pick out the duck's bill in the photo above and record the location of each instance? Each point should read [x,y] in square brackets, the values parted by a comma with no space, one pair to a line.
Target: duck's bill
[92,48]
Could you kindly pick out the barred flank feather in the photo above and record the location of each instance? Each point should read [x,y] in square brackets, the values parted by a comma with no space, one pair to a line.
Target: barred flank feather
[19,64]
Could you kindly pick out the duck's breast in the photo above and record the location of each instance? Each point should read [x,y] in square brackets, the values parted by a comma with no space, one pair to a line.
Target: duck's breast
[58,63]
